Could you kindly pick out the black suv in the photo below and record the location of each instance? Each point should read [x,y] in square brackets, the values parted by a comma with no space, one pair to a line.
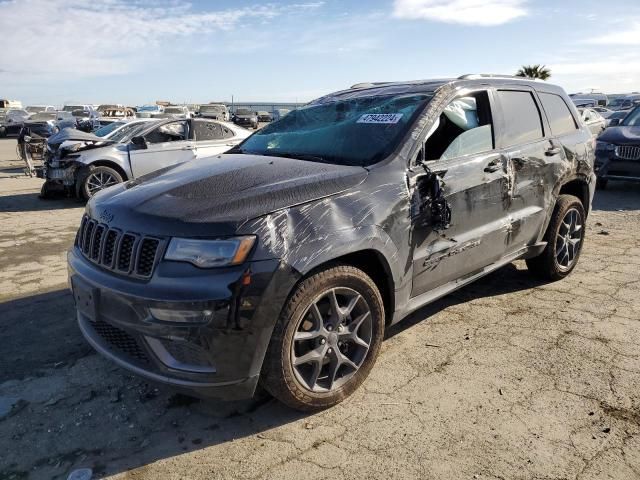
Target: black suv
[618,150]
[284,260]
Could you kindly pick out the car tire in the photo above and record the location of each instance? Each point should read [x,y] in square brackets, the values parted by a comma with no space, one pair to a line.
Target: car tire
[601,183]
[90,179]
[564,237]
[308,313]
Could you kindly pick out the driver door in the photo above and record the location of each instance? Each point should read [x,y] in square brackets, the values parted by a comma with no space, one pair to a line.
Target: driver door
[472,184]
[167,144]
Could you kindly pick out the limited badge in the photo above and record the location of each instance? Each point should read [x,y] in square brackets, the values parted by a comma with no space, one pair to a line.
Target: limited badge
[383,118]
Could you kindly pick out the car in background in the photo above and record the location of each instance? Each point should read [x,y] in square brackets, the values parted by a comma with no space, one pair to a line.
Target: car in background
[264,117]
[11,121]
[86,116]
[148,111]
[245,118]
[214,111]
[605,112]
[115,114]
[618,150]
[600,98]
[40,108]
[616,117]
[10,104]
[91,163]
[279,113]
[175,111]
[625,103]
[46,123]
[593,120]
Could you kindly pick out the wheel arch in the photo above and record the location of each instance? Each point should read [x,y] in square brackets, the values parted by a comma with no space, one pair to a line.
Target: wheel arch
[110,164]
[578,187]
[375,265]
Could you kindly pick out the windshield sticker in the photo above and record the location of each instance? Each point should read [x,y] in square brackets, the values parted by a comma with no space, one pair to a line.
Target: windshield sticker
[383,118]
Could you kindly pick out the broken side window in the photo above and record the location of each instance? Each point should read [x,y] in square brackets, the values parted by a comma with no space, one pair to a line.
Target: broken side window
[465,127]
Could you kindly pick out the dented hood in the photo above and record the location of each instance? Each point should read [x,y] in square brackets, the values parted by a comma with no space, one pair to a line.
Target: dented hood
[72,134]
[621,135]
[225,190]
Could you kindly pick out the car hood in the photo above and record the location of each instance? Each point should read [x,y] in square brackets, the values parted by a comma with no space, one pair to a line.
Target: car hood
[215,195]
[73,134]
[621,135]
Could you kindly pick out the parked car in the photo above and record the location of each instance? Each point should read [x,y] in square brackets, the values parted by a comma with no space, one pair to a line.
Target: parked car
[245,118]
[605,112]
[46,123]
[115,114]
[625,103]
[10,104]
[616,117]
[86,116]
[91,163]
[264,116]
[593,120]
[284,260]
[279,113]
[176,111]
[618,150]
[40,108]
[215,111]
[148,111]
[11,121]
[600,98]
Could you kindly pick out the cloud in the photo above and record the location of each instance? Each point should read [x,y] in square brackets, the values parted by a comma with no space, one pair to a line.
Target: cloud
[466,12]
[628,37]
[87,39]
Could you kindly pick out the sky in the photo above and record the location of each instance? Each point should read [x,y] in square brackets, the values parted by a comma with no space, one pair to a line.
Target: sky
[140,51]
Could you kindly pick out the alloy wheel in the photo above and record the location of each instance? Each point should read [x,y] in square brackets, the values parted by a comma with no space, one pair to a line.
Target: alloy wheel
[332,339]
[100,180]
[569,239]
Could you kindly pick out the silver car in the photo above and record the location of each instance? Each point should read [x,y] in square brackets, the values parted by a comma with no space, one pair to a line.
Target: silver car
[83,164]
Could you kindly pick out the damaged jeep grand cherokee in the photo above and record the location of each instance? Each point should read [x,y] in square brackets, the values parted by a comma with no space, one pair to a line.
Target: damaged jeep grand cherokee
[283,261]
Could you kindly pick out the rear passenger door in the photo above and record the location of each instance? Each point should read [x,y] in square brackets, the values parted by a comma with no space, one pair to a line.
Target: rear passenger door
[533,157]
[212,138]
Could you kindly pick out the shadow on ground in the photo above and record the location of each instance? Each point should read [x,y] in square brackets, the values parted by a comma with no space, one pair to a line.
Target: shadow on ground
[31,202]
[618,196]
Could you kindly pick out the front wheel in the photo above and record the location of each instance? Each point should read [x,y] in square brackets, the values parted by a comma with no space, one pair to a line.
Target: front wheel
[326,340]
[96,179]
[564,237]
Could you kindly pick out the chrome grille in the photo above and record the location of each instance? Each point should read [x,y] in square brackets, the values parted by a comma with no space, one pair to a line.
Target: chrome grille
[628,152]
[126,253]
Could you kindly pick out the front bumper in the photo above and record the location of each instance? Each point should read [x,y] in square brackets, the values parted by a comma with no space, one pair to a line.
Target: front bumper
[609,166]
[220,357]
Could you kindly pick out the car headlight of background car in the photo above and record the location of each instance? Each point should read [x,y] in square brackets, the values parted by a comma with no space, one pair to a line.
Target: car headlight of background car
[210,253]
[604,146]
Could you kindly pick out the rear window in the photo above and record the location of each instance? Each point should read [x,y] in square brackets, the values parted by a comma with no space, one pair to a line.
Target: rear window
[522,122]
[558,113]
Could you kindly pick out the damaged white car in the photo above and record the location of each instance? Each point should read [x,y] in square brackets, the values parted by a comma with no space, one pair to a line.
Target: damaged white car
[81,164]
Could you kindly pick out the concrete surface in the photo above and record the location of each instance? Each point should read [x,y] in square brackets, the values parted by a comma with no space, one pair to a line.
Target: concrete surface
[505,379]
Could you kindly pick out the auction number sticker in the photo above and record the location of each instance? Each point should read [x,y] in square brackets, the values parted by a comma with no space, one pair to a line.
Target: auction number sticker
[383,118]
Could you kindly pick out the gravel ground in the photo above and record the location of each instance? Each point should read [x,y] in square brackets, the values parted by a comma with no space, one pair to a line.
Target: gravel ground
[506,379]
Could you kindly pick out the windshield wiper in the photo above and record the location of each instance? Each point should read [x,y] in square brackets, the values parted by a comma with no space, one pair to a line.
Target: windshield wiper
[299,156]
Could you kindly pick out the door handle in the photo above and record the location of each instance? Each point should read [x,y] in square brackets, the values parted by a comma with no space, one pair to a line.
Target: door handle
[493,166]
[552,151]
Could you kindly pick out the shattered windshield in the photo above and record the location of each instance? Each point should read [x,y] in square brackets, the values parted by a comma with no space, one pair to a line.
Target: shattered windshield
[107,129]
[358,131]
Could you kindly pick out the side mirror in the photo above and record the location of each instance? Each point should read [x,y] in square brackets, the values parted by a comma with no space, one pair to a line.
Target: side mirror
[614,122]
[139,142]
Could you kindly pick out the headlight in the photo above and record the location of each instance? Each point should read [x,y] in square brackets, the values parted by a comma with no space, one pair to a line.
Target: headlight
[605,146]
[210,253]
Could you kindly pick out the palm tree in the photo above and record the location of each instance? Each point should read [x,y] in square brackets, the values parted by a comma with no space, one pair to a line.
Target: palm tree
[534,71]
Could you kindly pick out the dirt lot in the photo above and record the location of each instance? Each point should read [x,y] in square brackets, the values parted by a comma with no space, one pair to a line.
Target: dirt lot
[508,378]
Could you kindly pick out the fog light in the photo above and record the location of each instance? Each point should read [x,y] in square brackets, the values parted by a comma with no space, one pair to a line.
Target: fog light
[181,316]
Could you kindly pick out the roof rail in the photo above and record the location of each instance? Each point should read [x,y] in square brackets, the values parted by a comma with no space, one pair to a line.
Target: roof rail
[471,76]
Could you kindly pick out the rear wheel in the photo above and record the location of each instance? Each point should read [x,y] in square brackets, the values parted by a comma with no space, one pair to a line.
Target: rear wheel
[326,340]
[98,178]
[564,237]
